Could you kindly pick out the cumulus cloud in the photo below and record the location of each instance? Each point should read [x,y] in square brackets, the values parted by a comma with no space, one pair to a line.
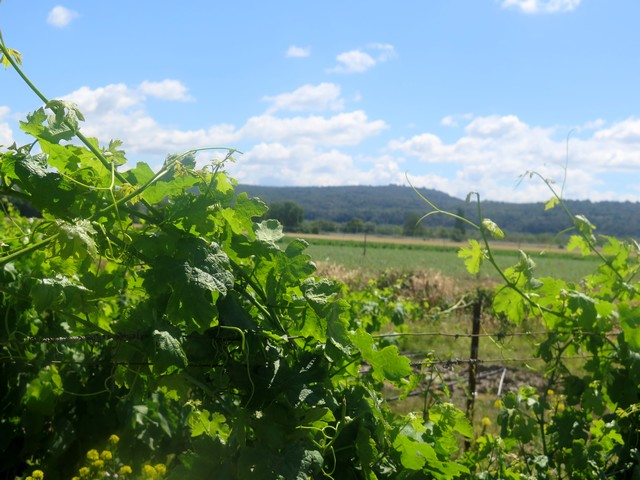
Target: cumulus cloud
[60,16]
[167,89]
[494,151]
[6,134]
[361,60]
[119,111]
[541,6]
[306,165]
[349,128]
[454,120]
[325,96]
[298,52]
[487,154]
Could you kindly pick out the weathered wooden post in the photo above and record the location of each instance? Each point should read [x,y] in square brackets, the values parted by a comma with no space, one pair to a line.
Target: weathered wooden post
[473,359]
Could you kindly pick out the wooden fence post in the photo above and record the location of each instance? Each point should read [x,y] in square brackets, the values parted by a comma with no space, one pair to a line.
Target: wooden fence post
[473,359]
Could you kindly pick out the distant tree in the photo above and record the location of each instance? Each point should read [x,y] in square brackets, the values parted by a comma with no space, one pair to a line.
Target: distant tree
[355,225]
[411,227]
[288,213]
[325,226]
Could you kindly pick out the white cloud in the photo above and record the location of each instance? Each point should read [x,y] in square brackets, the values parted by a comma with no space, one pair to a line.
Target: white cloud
[453,120]
[349,128]
[276,163]
[358,61]
[495,151]
[353,61]
[6,134]
[118,111]
[166,90]
[325,96]
[385,51]
[60,16]
[489,154]
[541,6]
[298,52]
[114,97]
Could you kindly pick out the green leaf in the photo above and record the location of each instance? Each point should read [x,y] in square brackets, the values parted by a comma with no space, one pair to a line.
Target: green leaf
[56,293]
[114,154]
[387,364]
[65,115]
[583,224]
[510,303]
[473,255]
[213,425]
[493,228]
[576,242]
[54,131]
[42,392]
[630,324]
[15,54]
[75,239]
[168,352]
[269,232]
[551,203]
[415,455]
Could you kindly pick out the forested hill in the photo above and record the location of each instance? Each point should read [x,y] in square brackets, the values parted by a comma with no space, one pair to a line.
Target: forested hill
[393,204]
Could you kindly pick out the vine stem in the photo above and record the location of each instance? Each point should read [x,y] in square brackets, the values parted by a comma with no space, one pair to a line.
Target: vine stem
[30,248]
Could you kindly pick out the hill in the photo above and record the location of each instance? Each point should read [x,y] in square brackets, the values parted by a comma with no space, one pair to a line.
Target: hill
[393,204]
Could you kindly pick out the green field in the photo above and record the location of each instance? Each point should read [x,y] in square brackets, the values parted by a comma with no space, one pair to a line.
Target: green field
[381,256]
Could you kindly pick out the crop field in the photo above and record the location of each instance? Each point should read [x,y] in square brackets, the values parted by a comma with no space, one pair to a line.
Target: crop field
[407,254]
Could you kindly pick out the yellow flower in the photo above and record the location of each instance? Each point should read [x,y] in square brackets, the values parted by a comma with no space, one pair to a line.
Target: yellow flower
[486,422]
[161,468]
[93,454]
[113,439]
[561,407]
[498,403]
[148,471]
[84,471]
[37,475]
[125,470]
[106,455]
[98,464]
[550,392]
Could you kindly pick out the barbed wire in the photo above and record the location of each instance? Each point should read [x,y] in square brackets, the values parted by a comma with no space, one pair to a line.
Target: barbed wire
[94,338]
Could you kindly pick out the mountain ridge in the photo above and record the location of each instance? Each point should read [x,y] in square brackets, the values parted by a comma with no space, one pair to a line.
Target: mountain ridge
[392,204]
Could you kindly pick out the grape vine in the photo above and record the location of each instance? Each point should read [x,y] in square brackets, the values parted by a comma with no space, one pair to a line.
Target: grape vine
[207,344]
[152,306]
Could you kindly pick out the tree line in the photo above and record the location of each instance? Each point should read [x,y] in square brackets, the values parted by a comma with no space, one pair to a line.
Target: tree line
[396,209]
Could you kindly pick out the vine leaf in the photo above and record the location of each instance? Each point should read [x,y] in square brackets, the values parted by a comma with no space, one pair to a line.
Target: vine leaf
[269,232]
[15,54]
[473,255]
[554,201]
[168,352]
[75,239]
[493,228]
[387,364]
[42,391]
[510,303]
[576,242]
[630,324]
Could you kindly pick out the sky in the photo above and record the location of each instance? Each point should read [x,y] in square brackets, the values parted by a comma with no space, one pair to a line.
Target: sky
[456,95]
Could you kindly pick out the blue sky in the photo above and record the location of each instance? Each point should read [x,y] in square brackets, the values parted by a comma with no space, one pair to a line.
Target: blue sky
[460,95]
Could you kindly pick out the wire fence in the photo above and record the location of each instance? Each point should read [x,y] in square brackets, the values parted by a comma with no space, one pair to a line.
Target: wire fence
[452,370]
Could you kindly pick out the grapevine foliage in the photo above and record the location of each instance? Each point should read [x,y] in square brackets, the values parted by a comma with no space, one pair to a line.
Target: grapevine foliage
[585,424]
[151,305]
